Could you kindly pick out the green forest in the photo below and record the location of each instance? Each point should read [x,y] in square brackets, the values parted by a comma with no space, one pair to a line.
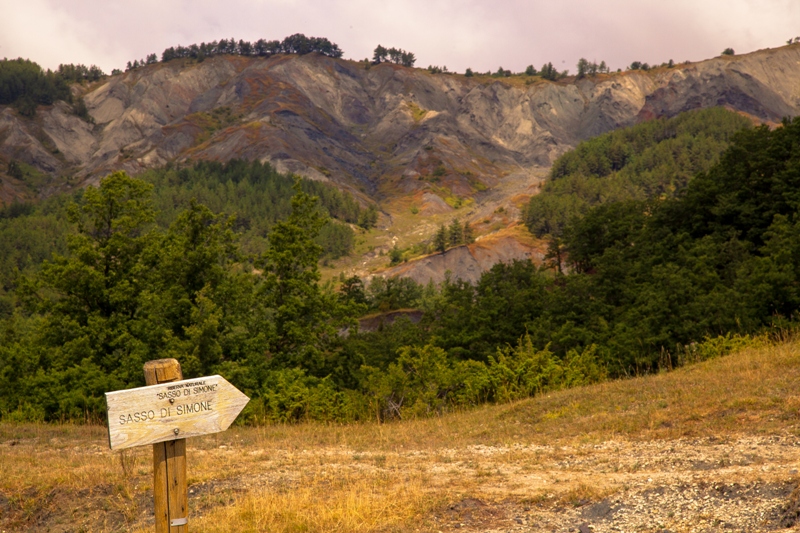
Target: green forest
[191,263]
[25,85]
[652,159]
[252,193]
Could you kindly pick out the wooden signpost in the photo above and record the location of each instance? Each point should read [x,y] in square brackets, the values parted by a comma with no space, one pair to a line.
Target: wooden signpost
[164,414]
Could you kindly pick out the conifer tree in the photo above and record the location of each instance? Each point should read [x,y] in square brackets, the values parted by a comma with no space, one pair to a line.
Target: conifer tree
[440,240]
[468,235]
[455,233]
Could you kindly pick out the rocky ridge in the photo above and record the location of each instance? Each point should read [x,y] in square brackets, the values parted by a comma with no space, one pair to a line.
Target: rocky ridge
[387,130]
[400,136]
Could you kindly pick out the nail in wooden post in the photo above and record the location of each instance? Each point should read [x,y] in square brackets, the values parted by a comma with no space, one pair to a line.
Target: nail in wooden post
[170,489]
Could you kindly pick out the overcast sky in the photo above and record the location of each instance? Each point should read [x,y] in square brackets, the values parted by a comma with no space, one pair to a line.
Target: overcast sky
[453,33]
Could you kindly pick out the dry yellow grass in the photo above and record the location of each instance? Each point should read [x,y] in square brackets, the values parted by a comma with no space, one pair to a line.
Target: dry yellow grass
[562,450]
[348,503]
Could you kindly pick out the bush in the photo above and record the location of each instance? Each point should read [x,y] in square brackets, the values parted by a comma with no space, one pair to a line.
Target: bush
[423,381]
[289,395]
[713,347]
[524,371]
[395,255]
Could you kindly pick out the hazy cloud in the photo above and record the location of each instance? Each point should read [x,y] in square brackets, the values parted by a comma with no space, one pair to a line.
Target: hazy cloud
[456,33]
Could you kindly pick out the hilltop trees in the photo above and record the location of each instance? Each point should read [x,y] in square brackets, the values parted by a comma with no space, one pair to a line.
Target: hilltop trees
[549,72]
[293,44]
[264,48]
[79,73]
[591,68]
[394,55]
[583,67]
[300,44]
[380,54]
[25,85]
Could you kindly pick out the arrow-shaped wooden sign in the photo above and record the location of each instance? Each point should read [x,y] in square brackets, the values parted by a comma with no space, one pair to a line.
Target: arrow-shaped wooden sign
[169,411]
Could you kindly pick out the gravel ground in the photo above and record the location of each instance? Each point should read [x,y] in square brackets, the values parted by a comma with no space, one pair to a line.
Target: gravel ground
[708,485]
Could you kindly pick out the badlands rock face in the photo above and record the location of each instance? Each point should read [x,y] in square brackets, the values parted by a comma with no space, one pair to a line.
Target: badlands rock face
[383,132]
[413,141]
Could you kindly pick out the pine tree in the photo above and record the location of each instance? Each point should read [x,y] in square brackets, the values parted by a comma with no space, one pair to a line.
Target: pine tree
[583,67]
[440,240]
[468,235]
[380,54]
[455,233]
[303,318]
[90,299]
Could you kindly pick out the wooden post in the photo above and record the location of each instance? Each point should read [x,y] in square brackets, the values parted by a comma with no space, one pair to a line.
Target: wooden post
[170,489]
[150,415]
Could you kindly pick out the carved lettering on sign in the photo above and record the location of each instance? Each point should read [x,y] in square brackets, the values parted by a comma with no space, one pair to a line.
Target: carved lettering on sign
[168,411]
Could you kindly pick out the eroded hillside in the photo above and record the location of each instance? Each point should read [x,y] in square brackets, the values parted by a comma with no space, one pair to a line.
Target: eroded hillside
[387,130]
[410,139]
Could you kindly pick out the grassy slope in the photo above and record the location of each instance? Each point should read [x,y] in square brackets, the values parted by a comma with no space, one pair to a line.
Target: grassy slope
[393,477]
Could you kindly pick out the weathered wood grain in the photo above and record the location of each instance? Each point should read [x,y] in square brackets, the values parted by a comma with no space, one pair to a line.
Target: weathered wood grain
[169,411]
[170,490]
[177,486]
[160,491]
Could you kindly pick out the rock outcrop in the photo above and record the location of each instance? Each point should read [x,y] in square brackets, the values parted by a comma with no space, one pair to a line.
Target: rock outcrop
[467,262]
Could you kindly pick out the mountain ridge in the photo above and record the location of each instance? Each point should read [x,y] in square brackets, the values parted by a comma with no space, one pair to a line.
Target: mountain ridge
[381,132]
